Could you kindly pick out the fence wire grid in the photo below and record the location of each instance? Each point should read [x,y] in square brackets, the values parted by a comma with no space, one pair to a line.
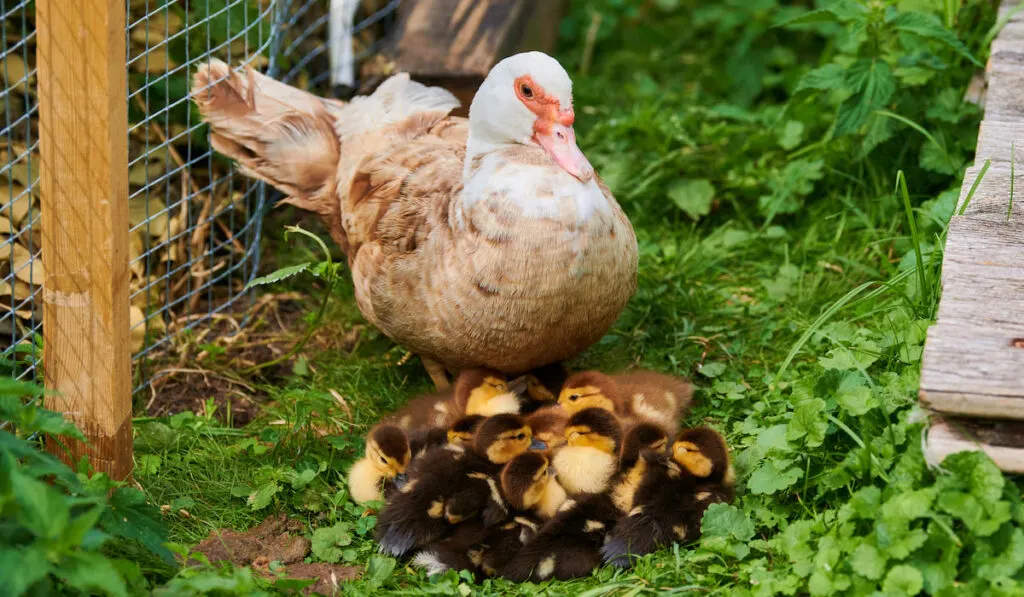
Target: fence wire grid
[196,224]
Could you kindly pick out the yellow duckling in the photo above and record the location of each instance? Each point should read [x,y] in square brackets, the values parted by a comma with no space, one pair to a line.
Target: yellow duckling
[589,459]
[386,457]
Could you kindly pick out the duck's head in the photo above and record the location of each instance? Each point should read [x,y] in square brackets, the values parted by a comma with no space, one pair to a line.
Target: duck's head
[528,483]
[462,430]
[548,425]
[526,99]
[503,437]
[587,389]
[594,428]
[640,437]
[484,392]
[703,452]
[387,449]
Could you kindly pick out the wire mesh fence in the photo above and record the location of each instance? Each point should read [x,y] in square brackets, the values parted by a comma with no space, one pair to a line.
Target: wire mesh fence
[195,225]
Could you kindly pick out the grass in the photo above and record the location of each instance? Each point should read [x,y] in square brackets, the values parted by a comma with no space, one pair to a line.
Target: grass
[790,187]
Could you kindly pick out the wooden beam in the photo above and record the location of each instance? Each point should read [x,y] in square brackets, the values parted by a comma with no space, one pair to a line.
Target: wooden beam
[949,436]
[83,120]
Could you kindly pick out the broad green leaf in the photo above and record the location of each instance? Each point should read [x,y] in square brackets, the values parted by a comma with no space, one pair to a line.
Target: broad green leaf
[694,197]
[712,369]
[769,478]
[839,11]
[856,401]
[130,516]
[808,423]
[790,136]
[1007,563]
[903,580]
[327,542]
[934,158]
[874,84]
[44,510]
[22,567]
[726,520]
[867,561]
[930,27]
[93,574]
[824,78]
[281,274]
[148,464]
[262,497]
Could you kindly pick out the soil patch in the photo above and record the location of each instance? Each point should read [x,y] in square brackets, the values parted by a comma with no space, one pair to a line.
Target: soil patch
[275,540]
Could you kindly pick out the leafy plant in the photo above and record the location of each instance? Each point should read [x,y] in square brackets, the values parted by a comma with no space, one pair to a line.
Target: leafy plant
[56,526]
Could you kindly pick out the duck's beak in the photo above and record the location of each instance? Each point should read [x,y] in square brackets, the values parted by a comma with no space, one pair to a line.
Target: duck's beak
[537,444]
[401,479]
[560,143]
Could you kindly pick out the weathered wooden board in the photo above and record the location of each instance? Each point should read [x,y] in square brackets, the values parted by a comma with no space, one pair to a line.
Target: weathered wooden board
[996,138]
[949,436]
[991,199]
[1004,99]
[454,43]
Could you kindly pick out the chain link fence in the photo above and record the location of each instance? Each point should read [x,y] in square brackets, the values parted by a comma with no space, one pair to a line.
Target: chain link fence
[195,228]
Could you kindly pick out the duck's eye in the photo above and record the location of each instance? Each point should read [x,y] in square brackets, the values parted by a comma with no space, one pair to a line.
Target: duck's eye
[526,91]
[574,397]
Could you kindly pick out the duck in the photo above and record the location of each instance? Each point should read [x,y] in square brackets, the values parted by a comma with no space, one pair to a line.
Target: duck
[589,459]
[668,503]
[529,485]
[635,396]
[459,433]
[386,457]
[450,484]
[478,391]
[468,239]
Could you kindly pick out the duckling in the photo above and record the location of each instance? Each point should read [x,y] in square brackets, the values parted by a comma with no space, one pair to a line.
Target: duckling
[450,484]
[638,438]
[529,485]
[539,387]
[460,432]
[669,502]
[568,545]
[386,457]
[636,396]
[589,459]
[476,392]
[548,425]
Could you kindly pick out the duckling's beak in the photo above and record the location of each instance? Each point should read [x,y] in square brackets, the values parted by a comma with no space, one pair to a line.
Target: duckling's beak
[400,480]
[552,472]
[518,386]
[537,444]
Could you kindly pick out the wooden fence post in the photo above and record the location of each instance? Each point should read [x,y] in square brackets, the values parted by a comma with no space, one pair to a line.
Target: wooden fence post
[83,120]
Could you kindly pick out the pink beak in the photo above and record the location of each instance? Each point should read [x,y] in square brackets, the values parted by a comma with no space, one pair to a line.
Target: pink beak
[560,143]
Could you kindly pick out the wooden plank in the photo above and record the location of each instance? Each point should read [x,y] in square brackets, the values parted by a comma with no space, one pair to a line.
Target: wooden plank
[84,175]
[1004,99]
[972,370]
[992,197]
[997,137]
[947,437]
[455,43]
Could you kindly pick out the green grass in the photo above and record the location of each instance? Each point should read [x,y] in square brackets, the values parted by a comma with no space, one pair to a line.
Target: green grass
[790,188]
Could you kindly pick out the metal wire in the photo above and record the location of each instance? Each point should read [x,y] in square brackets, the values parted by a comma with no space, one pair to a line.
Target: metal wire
[195,224]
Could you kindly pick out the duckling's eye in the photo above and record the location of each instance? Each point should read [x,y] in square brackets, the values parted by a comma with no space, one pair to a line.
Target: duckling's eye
[383,460]
[521,436]
[574,397]
[526,91]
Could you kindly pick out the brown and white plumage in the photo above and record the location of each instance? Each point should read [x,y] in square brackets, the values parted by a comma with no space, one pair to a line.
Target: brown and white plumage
[510,254]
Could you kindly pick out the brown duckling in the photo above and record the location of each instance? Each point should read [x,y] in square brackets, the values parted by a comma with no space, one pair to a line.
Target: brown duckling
[548,425]
[451,484]
[476,392]
[640,437]
[460,432]
[669,501]
[589,459]
[635,396]
[529,485]
[386,457]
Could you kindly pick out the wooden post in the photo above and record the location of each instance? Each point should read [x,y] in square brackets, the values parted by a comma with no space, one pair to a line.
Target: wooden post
[83,120]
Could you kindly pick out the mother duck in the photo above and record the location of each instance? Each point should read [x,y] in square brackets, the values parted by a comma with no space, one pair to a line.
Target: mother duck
[487,242]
